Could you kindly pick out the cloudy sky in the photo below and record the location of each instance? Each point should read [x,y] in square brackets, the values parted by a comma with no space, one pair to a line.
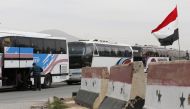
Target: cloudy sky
[126,21]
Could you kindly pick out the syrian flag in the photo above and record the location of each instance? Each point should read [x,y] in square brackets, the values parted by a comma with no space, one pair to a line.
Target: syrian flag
[167,31]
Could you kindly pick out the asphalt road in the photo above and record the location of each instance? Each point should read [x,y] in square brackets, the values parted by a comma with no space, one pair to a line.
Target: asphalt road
[13,99]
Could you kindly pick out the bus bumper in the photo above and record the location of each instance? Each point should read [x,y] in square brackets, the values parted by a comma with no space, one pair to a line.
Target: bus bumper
[74,75]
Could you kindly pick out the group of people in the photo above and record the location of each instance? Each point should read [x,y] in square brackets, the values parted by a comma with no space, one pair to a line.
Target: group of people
[36,73]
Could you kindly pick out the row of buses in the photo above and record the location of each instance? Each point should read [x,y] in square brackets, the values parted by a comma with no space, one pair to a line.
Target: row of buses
[62,61]
[98,53]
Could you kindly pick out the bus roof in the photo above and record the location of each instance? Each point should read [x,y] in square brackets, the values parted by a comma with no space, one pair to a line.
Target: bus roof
[4,33]
[102,42]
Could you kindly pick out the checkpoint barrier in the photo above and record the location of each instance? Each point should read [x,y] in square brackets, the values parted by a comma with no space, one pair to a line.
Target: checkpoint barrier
[93,87]
[168,85]
[121,85]
[138,88]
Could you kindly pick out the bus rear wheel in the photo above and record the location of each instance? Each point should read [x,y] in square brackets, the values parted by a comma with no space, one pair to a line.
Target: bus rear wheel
[47,81]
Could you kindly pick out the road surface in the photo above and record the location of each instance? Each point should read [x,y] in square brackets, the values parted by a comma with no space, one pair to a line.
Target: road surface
[23,99]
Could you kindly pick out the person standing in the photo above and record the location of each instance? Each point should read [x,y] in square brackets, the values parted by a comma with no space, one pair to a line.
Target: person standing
[37,76]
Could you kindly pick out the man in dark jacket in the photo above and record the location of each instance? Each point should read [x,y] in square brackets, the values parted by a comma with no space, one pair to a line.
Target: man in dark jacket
[37,76]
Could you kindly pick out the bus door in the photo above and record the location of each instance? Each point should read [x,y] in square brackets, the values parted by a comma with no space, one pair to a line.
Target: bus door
[18,57]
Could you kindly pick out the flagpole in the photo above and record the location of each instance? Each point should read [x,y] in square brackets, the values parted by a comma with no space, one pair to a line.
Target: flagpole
[178,41]
[179,48]
[164,50]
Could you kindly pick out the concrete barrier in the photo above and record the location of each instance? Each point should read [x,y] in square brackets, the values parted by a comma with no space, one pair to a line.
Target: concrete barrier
[138,88]
[126,87]
[119,87]
[93,87]
[168,85]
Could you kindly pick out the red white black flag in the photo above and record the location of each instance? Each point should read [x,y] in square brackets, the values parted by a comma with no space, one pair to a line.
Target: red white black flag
[167,31]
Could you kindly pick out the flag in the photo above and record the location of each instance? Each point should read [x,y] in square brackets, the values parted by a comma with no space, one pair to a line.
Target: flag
[167,31]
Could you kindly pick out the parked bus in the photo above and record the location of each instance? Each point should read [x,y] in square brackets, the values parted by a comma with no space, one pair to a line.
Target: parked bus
[96,53]
[18,50]
[150,53]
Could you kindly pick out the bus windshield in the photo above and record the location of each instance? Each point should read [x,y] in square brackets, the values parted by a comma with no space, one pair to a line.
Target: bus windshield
[76,48]
[80,54]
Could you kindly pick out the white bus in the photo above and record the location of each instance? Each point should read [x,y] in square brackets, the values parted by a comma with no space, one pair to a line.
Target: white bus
[18,50]
[150,53]
[96,53]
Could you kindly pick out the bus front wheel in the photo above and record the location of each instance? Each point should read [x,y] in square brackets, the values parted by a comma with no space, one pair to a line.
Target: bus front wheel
[47,81]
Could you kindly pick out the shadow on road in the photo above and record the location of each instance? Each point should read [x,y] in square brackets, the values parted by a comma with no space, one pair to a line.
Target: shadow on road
[57,85]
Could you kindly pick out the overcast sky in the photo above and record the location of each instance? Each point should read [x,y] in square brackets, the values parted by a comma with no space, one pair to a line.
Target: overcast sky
[126,21]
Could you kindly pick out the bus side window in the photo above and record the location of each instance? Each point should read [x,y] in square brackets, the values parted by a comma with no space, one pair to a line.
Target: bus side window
[121,51]
[127,52]
[37,45]
[6,42]
[101,50]
[107,51]
[89,49]
[113,52]
[22,41]
[49,46]
[60,47]
[95,51]
[61,51]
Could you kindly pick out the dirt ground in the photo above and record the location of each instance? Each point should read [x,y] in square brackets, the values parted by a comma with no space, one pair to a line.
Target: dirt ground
[71,104]
[68,102]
